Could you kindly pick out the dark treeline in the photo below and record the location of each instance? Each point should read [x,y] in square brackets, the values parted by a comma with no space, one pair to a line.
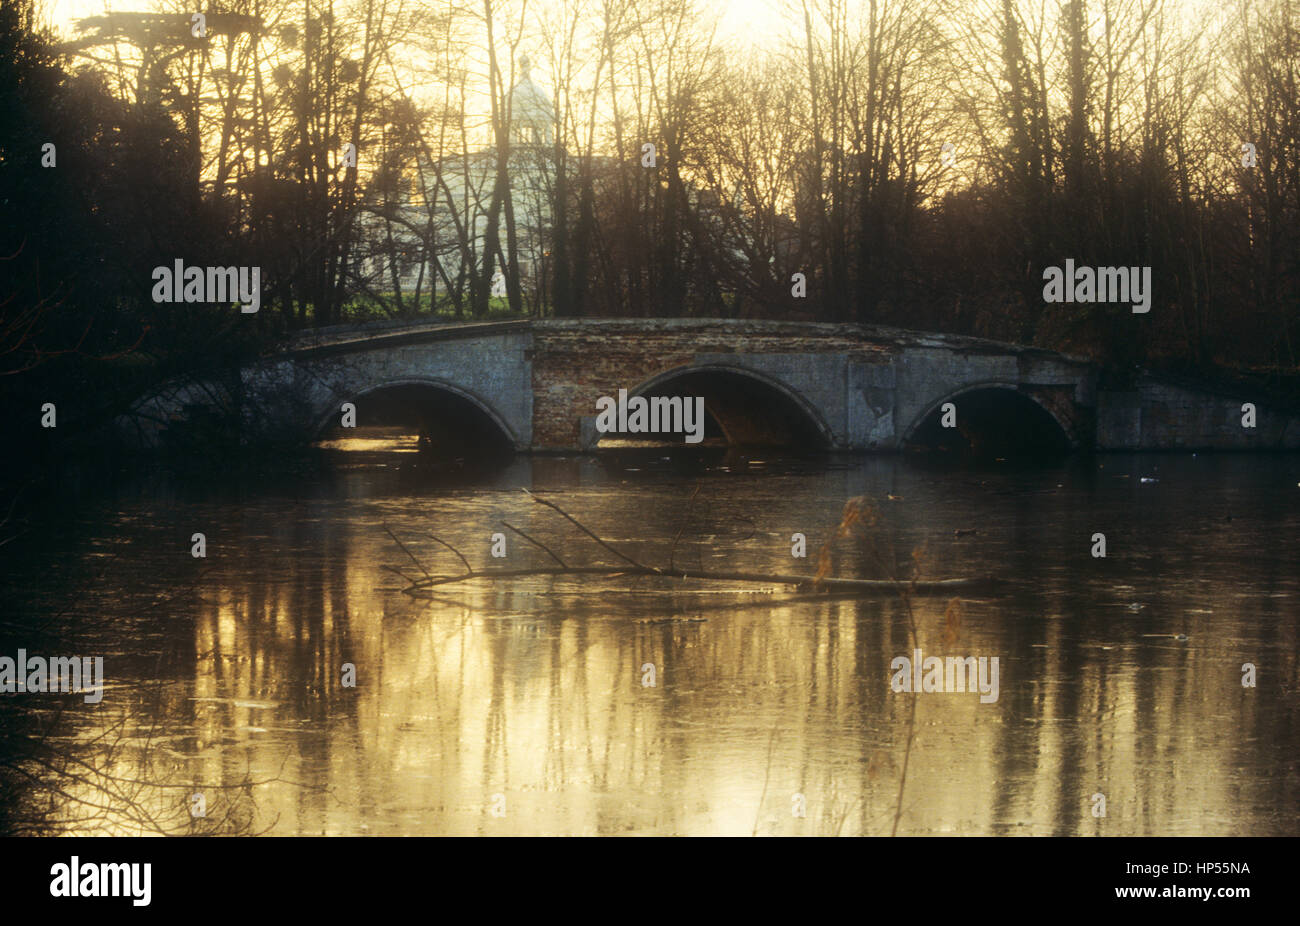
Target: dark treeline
[919,162]
[79,330]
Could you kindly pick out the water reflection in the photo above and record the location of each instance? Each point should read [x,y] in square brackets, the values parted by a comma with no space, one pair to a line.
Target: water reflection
[521,706]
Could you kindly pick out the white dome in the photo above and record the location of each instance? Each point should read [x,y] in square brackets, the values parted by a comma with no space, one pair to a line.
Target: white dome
[532,116]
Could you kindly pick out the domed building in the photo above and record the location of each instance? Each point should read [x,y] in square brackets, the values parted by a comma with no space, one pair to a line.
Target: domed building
[532,117]
[420,244]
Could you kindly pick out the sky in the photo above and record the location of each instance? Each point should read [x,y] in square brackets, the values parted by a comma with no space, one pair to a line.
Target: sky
[742,19]
[741,22]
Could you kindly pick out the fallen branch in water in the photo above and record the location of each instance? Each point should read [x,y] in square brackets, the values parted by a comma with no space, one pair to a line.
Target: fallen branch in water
[934,587]
[418,588]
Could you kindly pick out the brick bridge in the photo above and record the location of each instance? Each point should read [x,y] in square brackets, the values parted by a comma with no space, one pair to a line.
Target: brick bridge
[534,385]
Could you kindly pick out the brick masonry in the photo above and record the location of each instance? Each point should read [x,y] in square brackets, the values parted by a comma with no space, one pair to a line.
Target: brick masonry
[575,362]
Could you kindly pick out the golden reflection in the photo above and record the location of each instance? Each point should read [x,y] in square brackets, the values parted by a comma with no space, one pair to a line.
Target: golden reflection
[522,708]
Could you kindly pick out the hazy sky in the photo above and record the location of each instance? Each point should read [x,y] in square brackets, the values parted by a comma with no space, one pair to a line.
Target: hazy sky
[743,19]
[741,22]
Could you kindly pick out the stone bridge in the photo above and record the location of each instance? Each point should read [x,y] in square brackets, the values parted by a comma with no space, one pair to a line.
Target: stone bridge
[534,384]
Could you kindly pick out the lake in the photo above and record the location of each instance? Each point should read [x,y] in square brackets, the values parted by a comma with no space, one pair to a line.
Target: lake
[285,682]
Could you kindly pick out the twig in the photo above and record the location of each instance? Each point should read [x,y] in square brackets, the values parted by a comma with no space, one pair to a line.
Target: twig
[396,571]
[418,564]
[536,543]
[672,552]
[576,523]
[469,570]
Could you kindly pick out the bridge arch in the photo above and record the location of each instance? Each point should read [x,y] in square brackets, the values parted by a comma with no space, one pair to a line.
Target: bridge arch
[773,414]
[1032,425]
[430,387]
